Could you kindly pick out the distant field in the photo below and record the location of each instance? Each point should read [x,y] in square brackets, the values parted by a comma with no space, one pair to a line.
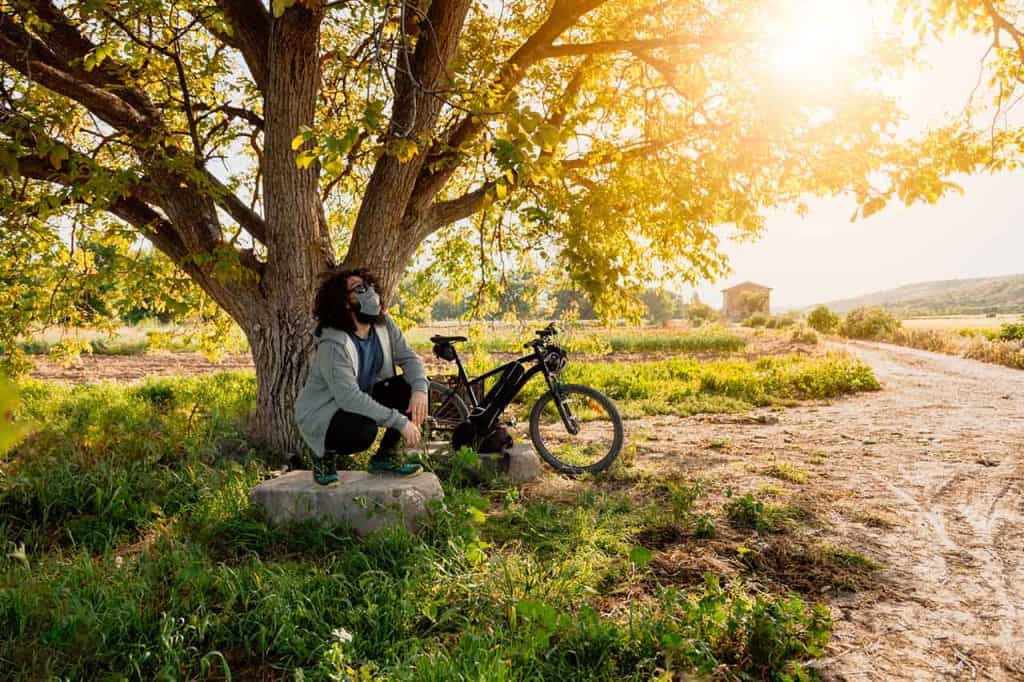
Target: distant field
[959,322]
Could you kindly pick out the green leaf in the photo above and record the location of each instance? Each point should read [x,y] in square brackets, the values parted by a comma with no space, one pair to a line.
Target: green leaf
[640,556]
[59,154]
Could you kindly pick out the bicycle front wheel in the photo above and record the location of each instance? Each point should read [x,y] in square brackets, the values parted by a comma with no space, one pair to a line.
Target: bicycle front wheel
[585,435]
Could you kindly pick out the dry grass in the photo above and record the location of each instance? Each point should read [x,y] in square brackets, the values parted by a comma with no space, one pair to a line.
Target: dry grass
[958,322]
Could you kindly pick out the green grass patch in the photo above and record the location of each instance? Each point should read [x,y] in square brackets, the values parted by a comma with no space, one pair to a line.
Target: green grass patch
[685,386]
[712,340]
[749,512]
[129,549]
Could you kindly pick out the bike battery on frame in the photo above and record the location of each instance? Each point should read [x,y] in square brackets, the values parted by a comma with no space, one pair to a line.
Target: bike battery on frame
[500,394]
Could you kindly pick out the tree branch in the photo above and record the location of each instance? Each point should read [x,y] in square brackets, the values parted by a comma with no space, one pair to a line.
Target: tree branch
[608,46]
[628,153]
[71,47]
[26,54]
[128,207]
[250,23]
[446,212]
[563,15]
[246,217]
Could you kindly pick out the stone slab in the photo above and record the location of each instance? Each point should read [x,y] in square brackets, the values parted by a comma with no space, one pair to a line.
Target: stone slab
[521,464]
[367,502]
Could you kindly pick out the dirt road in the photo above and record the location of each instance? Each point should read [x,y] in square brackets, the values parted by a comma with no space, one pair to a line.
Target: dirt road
[927,478]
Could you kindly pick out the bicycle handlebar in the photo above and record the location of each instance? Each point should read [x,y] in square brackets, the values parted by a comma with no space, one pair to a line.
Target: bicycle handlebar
[544,333]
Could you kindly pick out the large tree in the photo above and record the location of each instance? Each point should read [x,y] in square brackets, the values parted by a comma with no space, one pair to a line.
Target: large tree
[258,145]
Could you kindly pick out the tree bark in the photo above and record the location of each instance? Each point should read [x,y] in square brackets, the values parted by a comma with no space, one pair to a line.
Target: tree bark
[298,245]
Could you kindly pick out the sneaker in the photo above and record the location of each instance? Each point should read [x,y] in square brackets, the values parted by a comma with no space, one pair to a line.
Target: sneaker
[325,470]
[386,464]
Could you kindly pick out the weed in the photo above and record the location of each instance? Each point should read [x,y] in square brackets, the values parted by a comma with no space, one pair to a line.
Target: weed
[787,472]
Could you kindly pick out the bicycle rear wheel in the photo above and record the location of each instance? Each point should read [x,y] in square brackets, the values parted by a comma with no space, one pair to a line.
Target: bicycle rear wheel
[593,437]
[445,410]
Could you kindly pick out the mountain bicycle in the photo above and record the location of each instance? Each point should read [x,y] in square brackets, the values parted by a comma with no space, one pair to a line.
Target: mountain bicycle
[575,428]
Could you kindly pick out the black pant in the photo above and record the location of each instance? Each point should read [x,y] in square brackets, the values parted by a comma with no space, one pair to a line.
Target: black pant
[349,432]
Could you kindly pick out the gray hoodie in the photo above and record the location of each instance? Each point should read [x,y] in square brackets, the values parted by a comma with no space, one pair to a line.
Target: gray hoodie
[331,384]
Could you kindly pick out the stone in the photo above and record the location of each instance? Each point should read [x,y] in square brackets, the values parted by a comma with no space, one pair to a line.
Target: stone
[521,464]
[366,502]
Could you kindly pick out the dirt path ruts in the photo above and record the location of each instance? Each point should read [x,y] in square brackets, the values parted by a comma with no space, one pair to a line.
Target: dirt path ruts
[939,455]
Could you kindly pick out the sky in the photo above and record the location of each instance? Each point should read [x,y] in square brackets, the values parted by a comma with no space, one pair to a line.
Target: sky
[823,256]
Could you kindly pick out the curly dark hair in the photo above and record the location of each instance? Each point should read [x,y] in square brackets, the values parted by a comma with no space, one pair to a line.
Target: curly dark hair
[330,307]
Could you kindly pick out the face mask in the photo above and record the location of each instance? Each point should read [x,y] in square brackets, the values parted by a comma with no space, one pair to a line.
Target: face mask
[369,300]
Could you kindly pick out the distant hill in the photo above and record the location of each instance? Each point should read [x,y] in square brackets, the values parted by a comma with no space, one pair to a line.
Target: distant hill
[947,297]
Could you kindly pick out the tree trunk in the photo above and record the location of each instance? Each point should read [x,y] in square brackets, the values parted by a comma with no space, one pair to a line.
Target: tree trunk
[298,245]
[281,351]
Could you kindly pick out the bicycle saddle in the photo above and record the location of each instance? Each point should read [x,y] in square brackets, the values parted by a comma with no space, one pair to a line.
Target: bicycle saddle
[446,339]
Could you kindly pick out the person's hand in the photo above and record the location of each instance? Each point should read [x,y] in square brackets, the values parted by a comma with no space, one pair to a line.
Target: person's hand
[418,407]
[411,433]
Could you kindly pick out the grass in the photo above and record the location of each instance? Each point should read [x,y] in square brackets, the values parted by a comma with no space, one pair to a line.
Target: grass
[958,322]
[750,512]
[787,472]
[684,386]
[598,341]
[130,550]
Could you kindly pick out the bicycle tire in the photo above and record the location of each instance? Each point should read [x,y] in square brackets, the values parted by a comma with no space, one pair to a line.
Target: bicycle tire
[566,467]
[456,411]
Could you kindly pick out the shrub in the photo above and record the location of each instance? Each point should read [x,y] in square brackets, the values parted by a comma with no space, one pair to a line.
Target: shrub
[869,323]
[823,320]
[780,322]
[804,335]
[756,320]
[1011,331]
[699,313]
[935,340]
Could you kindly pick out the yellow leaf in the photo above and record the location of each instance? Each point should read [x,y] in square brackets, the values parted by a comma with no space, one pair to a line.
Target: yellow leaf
[297,141]
[281,5]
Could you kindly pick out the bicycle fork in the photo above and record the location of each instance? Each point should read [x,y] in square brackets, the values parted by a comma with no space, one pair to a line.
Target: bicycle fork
[572,425]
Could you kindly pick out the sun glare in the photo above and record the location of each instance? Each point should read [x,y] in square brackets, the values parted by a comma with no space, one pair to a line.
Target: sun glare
[812,40]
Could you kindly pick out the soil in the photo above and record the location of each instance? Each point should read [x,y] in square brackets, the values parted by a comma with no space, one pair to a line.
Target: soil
[129,368]
[925,477]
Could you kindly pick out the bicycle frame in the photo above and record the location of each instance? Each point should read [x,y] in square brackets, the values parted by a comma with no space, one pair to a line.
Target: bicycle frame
[479,409]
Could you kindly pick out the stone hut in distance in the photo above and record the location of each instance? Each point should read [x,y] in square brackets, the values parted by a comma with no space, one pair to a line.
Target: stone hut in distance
[745,299]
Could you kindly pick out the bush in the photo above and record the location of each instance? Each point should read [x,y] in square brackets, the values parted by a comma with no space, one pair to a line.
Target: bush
[823,320]
[804,335]
[699,313]
[1011,331]
[780,322]
[869,323]
[756,320]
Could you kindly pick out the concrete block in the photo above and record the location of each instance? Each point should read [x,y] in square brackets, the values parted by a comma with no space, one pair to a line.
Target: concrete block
[521,464]
[366,502]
